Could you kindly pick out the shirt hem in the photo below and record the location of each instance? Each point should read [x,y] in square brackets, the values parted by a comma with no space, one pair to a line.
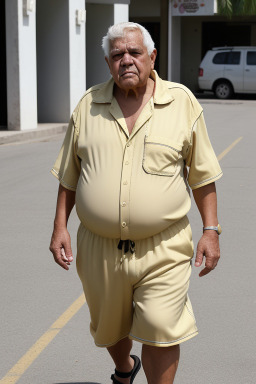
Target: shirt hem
[62,182]
[206,182]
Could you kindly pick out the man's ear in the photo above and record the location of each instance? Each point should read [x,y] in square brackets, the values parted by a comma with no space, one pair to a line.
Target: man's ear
[107,61]
[153,58]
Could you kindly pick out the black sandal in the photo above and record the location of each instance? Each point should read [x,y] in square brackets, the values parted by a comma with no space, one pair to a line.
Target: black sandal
[131,374]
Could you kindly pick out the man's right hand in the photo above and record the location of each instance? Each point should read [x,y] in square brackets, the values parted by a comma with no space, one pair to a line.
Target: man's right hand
[60,243]
[61,247]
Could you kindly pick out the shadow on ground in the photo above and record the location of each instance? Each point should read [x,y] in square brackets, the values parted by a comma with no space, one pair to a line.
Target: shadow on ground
[79,382]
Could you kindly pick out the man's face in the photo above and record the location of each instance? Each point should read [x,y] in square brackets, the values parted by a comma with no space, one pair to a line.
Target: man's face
[129,62]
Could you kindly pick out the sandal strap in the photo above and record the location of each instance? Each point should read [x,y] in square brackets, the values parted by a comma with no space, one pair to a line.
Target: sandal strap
[123,375]
[131,374]
[114,380]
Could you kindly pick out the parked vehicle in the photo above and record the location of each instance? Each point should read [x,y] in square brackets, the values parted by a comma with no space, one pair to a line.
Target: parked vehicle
[228,70]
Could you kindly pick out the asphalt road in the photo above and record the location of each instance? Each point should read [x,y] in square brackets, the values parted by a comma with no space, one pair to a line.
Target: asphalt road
[35,291]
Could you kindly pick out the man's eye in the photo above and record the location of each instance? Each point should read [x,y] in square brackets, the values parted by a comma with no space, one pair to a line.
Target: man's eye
[117,56]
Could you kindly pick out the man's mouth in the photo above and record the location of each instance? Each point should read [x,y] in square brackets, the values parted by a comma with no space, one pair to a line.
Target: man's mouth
[128,73]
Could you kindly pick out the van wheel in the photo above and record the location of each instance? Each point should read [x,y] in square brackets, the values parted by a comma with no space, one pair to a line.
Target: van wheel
[223,90]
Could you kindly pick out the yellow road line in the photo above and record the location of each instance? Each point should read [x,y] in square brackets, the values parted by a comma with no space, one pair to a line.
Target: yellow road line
[23,364]
[228,149]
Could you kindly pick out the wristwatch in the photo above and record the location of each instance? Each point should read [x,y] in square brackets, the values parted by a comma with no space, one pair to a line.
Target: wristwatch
[212,227]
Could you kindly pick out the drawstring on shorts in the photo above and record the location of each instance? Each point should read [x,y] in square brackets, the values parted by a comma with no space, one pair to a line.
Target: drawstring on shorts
[129,245]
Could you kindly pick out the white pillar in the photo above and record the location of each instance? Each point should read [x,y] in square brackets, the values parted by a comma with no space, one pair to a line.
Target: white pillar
[77,45]
[21,66]
[174,42]
[121,13]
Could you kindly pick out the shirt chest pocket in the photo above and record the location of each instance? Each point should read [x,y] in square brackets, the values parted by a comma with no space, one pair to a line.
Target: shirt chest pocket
[160,156]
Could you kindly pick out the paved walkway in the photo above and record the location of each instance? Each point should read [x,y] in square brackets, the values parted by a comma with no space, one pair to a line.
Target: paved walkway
[42,130]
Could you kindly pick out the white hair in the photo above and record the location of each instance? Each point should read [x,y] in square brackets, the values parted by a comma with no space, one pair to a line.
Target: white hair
[118,30]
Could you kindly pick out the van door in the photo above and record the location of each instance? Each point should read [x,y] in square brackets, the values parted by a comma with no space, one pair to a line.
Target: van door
[250,72]
[233,70]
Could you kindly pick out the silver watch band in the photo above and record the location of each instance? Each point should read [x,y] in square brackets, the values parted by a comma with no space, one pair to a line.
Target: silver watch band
[211,227]
[214,228]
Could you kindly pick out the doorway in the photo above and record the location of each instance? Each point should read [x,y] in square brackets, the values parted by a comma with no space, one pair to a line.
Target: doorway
[219,34]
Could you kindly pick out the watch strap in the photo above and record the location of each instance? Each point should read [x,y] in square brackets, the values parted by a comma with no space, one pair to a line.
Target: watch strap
[213,228]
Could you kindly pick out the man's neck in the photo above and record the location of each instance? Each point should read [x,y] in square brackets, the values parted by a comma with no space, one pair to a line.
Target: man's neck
[138,93]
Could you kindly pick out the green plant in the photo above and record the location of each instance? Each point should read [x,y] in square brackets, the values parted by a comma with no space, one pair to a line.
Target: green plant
[237,7]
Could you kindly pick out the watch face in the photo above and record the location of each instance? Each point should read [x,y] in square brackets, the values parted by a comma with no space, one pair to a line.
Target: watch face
[219,229]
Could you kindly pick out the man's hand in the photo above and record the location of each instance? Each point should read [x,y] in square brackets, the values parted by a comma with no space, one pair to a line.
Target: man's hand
[208,247]
[61,247]
[60,242]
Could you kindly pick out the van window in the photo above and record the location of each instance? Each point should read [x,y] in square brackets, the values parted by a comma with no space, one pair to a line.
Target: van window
[251,58]
[227,58]
[233,58]
[219,58]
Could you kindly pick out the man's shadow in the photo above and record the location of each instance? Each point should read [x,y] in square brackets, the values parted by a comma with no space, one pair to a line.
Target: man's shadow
[80,382]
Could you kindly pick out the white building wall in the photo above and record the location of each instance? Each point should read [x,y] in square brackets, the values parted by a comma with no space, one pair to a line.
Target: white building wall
[53,61]
[100,16]
[121,13]
[174,42]
[21,67]
[60,59]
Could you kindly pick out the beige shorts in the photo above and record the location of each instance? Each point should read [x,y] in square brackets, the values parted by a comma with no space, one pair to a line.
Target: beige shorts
[141,296]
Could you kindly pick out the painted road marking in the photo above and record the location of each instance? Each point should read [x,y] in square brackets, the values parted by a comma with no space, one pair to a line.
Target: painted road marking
[24,363]
[220,157]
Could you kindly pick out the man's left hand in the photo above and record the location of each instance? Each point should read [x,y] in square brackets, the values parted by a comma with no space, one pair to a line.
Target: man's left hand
[208,247]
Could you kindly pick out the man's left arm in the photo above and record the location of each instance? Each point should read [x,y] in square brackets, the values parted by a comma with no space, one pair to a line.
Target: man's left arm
[208,246]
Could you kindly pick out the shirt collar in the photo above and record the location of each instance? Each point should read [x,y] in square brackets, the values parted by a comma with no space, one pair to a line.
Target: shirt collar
[162,94]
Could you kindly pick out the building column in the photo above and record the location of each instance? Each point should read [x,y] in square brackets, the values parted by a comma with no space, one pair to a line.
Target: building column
[100,15]
[174,46]
[77,48]
[21,66]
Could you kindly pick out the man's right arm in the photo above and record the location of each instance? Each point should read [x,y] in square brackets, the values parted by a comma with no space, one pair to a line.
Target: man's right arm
[60,242]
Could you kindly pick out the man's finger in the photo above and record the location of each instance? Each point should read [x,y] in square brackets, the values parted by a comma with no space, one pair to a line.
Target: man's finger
[62,263]
[199,258]
[205,271]
[67,252]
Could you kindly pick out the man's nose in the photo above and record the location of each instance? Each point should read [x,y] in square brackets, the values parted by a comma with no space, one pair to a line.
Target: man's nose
[126,59]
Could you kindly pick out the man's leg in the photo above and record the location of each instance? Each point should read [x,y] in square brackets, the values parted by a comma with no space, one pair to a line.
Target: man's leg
[160,364]
[120,353]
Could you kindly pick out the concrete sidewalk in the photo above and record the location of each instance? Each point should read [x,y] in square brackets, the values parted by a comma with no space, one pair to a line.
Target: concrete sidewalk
[42,130]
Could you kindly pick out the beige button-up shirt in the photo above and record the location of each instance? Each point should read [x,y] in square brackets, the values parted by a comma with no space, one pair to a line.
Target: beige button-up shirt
[133,186]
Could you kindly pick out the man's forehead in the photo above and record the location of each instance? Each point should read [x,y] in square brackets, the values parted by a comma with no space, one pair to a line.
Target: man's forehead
[126,46]
[131,39]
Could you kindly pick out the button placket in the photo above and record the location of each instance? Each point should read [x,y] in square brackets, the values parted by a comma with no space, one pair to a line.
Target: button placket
[125,190]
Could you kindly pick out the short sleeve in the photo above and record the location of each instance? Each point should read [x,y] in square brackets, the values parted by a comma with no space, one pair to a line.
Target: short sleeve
[201,159]
[67,166]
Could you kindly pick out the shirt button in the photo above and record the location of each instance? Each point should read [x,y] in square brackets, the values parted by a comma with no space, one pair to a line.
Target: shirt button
[127,162]
[123,204]
[123,224]
[125,182]
[128,144]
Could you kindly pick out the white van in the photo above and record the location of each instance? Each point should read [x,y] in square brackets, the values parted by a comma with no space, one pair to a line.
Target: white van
[228,70]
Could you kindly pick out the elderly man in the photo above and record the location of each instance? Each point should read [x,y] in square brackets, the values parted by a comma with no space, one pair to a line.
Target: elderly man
[123,162]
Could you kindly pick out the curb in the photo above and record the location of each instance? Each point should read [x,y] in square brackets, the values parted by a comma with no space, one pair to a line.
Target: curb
[18,137]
